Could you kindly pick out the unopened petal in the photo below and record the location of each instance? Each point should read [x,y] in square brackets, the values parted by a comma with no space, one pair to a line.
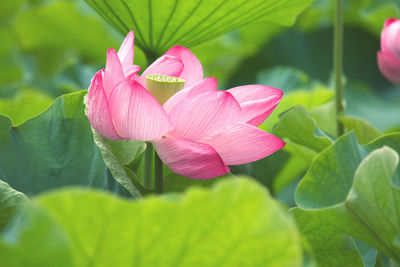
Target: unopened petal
[390,37]
[113,73]
[136,113]
[165,65]
[189,158]
[208,84]
[257,102]
[98,111]
[389,67]
[192,71]
[201,115]
[242,143]
[126,52]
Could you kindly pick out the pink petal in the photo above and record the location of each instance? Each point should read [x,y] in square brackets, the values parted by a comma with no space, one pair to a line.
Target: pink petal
[131,70]
[189,158]
[136,113]
[193,71]
[390,37]
[126,51]
[389,67]
[165,65]
[257,102]
[242,143]
[201,115]
[208,84]
[98,111]
[113,73]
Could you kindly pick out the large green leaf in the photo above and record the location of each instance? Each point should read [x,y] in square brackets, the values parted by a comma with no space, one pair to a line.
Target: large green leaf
[34,239]
[364,131]
[329,246]
[52,150]
[295,167]
[118,154]
[302,129]
[236,223]
[330,176]
[160,24]
[25,105]
[325,116]
[10,201]
[353,188]
[310,99]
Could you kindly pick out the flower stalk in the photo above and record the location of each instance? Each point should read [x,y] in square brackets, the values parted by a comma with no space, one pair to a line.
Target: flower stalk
[338,64]
[148,165]
[158,174]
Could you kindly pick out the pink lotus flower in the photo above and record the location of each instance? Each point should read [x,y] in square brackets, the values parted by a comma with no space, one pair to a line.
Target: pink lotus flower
[389,56]
[200,130]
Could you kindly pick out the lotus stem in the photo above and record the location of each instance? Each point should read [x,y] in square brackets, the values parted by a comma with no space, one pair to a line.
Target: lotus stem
[148,166]
[338,64]
[158,174]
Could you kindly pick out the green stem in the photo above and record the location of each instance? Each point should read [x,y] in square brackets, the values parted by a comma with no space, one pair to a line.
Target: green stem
[338,64]
[158,174]
[149,153]
[148,166]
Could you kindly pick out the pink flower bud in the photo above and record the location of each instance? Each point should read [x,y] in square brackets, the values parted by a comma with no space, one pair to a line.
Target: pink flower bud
[389,56]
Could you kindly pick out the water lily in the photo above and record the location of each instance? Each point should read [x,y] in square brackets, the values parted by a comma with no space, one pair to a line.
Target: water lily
[389,56]
[199,130]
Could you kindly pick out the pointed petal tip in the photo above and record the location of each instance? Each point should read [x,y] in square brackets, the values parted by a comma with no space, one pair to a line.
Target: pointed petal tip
[111,51]
[126,52]
[257,101]
[131,34]
[165,65]
[389,21]
[193,70]
[241,143]
[177,47]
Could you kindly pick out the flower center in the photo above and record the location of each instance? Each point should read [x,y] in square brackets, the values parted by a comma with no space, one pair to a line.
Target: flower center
[162,87]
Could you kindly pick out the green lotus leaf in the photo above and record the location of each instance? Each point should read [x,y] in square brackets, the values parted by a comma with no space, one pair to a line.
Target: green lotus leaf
[234,223]
[159,24]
